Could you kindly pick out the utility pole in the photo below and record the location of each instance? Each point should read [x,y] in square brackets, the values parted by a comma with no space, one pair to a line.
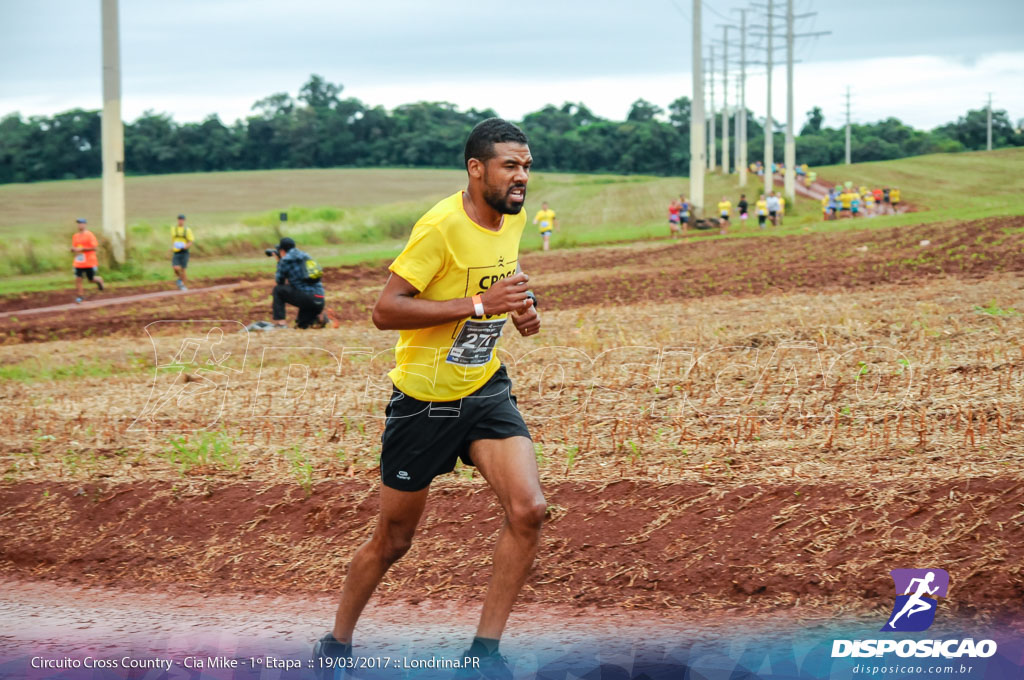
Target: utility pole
[769,125]
[697,120]
[712,141]
[789,150]
[112,132]
[790,147]
[725,99]
[741,119]
[736,129]
[847,124]
[988,135]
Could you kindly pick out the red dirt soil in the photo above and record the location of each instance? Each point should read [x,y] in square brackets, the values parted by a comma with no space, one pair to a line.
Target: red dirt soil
[622,275]
[622,544]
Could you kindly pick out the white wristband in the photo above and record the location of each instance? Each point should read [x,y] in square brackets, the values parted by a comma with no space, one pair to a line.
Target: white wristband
[478,305]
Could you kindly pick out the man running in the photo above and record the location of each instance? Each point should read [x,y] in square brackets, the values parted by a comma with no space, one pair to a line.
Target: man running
[684,213]
[84,245]
[673,218]
[741,207]
[762,211]
[894,199]
[449,294]
[773,208]
[724,208]
[182,240]
[546,221]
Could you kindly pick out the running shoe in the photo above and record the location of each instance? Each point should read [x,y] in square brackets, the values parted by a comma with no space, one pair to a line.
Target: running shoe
[181,286]
[78,300]
[99,284]
[331,659]
[484,667]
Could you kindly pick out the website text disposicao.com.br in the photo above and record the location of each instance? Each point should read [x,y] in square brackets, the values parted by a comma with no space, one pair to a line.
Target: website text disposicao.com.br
[901,670]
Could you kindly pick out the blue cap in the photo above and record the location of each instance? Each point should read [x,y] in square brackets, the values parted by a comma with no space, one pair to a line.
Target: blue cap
[80,220]
[181,217]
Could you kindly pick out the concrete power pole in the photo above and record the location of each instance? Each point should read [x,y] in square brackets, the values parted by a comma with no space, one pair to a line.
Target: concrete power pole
[712,141]
[697,120]
[789,151]
[790,148]
[769,125]
[725,99]
[847,124]
[741,118]
[988,131]
[112,133]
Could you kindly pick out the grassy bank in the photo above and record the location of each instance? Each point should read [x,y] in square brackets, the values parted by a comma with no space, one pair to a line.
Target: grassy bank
[350,216]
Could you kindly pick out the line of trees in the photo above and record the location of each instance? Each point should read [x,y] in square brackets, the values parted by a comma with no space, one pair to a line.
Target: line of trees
[319,128]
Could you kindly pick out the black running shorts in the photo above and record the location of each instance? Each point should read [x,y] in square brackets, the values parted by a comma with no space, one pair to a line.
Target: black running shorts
[87,272]
[423,439]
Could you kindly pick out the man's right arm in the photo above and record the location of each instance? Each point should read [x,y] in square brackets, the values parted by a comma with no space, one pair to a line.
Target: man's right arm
[279,275]
[398,308]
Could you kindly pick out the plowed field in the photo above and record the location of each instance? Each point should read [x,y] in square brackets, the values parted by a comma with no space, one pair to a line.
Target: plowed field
[730,425]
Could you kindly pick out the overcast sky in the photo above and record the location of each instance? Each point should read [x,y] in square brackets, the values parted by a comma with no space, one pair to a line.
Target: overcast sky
[923,62]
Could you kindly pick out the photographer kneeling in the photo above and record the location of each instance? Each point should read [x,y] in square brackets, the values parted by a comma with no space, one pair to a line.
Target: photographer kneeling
[298,283]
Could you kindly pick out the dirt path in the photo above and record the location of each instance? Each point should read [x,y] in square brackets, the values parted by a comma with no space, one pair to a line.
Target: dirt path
[98,302]
[567,279]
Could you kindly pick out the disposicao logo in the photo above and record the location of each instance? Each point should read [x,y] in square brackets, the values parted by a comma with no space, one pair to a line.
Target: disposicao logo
[914,609]
[917,591]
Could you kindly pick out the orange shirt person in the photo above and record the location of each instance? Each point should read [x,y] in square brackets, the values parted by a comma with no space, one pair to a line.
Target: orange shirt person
[84,245]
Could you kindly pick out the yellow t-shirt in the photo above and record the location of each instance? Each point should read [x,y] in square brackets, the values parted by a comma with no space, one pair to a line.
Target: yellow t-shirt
[845,199]
[545,219]
[782,205]
[449,256]
[180,236]
[762,207]
[824,204]
[894,195]
[724,207]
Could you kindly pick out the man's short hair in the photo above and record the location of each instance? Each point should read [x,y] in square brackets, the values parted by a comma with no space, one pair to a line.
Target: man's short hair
[489,132]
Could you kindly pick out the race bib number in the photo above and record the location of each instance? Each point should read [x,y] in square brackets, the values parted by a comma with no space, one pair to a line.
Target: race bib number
[475,344]
[80,257]
[179,245]
[544,223]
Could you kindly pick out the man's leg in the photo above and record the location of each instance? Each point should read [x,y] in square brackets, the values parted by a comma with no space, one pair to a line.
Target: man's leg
[309,311]
[400,513]
[282,294]
[78,283]
[510,467]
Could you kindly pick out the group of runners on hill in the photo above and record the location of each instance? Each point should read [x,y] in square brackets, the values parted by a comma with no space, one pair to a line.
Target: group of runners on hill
[768,208]
[840,201]
[846,200]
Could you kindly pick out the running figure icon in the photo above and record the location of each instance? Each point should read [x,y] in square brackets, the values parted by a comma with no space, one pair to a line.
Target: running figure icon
[916,604]
[917,596]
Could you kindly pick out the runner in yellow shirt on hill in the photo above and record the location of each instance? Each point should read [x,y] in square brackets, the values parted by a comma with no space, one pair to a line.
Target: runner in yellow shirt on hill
[762,211]
[546,223]
[724,208]
[894,199]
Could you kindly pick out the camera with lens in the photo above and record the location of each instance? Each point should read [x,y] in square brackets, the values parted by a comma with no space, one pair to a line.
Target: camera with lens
[271,251]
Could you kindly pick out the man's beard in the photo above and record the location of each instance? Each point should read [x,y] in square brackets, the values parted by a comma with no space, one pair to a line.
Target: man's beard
[500,200]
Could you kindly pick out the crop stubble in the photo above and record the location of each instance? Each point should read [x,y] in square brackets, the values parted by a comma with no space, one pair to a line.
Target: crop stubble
[770,459]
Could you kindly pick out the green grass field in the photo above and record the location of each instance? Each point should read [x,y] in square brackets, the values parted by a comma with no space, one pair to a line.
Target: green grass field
[350,216]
